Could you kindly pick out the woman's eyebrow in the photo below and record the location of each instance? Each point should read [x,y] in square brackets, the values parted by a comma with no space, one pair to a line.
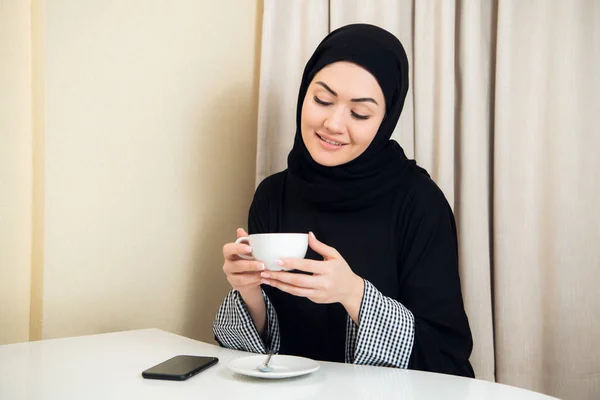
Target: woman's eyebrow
[363,99]
[330,90]
[359,100]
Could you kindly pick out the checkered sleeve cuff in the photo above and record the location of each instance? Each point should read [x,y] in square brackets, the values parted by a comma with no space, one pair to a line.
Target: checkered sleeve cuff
[234,328]
[385,332]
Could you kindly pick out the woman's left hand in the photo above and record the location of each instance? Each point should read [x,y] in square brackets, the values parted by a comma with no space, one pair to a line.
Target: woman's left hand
[332,281]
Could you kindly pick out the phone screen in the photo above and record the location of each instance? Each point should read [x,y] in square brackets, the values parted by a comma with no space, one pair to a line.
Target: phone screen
[180,367]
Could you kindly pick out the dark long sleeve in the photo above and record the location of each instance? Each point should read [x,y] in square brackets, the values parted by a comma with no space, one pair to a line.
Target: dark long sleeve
[430,286]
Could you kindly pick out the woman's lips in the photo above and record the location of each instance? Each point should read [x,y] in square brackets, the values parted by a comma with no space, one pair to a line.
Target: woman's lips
[329,146]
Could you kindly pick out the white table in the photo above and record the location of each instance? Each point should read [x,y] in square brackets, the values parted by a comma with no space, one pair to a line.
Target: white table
[108,366]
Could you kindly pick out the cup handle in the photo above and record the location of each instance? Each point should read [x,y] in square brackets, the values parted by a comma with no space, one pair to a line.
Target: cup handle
[244,240]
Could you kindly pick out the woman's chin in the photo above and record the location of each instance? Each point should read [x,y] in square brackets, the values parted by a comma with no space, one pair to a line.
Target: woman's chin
[327,159]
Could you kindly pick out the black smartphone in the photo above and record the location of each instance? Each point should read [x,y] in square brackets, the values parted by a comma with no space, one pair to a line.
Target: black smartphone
[179,368]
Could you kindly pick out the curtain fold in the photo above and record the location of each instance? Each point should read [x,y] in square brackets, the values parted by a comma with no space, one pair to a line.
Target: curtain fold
[546,203]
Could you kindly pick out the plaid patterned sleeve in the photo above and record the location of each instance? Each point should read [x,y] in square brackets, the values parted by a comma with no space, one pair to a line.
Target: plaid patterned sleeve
[385,332]
[234,328]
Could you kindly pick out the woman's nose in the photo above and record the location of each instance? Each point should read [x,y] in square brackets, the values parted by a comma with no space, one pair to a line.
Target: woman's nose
[335,120]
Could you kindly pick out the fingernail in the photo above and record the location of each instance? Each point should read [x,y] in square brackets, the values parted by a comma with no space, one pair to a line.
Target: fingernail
[266,282]
[279,262]
[265,275]
[312,235]
[262,267]
[248,249]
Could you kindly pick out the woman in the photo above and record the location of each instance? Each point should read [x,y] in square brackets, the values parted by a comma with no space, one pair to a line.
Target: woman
[380,283]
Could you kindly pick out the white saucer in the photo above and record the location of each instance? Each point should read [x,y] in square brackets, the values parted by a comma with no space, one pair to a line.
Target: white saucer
[283,366]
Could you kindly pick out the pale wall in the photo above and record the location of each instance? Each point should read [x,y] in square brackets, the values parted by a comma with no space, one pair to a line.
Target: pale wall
[15,170]
[149,160]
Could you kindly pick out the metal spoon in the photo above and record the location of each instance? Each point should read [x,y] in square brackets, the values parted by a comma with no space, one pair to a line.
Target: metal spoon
[265,367]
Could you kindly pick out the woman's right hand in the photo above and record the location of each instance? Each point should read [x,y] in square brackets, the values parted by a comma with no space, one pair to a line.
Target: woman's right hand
[242,275]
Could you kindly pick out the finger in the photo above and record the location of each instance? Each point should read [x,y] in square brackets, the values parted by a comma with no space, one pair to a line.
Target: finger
[241,233]
[299,280]
[231,250]
[327,252]
[242,266]
[240,281]
[291,289]
[302,264]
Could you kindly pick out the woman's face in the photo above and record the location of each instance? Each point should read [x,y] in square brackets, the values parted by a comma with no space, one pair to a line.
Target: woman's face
[341,113]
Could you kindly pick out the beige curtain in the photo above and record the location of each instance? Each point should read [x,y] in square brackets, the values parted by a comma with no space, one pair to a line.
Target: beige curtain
[503,111]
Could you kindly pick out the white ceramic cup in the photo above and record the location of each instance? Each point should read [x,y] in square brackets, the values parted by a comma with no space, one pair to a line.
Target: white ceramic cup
[270,247]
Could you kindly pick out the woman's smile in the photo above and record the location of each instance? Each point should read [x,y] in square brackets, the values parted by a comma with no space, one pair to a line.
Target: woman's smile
[328,143]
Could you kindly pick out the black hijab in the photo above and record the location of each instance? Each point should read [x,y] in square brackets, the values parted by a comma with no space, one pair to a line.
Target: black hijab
[381,167]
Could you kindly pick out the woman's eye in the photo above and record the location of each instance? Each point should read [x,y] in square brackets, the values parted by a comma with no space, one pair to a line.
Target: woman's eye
[321,102]
[358,116]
